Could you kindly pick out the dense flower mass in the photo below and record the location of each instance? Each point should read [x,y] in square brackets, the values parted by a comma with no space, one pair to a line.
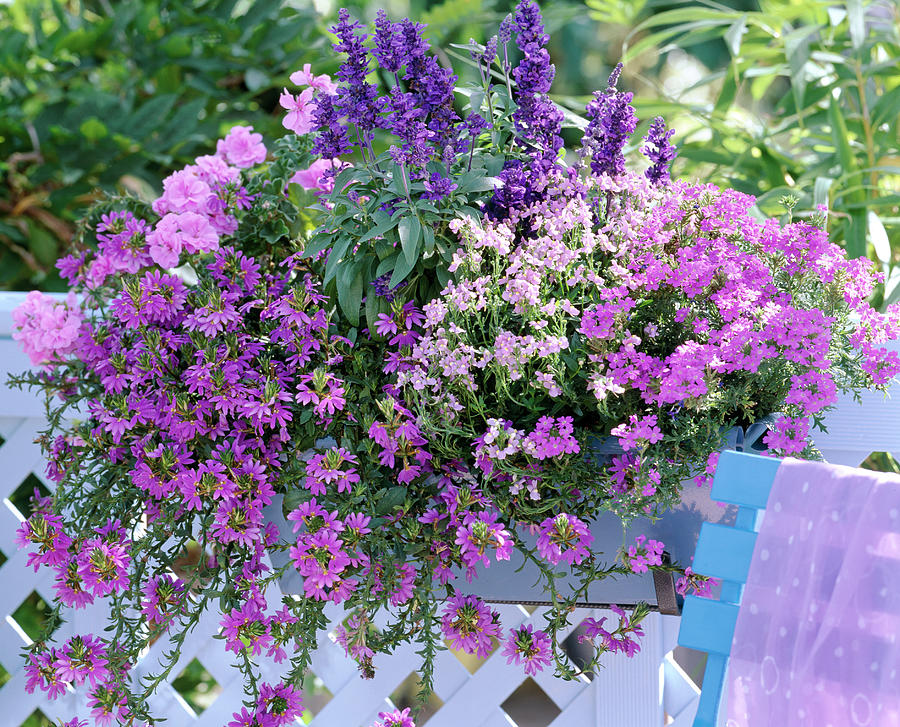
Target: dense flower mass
[370,381]
[653,322]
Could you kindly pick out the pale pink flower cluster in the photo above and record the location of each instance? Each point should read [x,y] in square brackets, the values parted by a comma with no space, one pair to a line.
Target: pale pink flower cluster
[241,147]
[47,328]
[181,232]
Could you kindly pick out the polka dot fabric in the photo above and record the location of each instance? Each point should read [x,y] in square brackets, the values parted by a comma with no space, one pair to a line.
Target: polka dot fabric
[817,641]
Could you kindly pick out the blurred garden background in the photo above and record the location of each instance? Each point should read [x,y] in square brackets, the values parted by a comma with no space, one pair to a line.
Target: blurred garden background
[796,103]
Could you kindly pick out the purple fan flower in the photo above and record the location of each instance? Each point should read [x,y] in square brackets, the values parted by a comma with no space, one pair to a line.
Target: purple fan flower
[528,647]
[564,537]
[469,624]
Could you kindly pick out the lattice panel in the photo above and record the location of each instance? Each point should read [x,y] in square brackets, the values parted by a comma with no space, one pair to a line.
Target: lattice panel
[626,692]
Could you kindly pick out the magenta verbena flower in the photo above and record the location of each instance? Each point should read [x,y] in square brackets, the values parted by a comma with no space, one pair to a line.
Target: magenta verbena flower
[643,554]
[623,639]
[529,648]
[695,584]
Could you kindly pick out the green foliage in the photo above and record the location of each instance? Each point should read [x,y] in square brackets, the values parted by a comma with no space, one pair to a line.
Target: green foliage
[807,104]
[110,97]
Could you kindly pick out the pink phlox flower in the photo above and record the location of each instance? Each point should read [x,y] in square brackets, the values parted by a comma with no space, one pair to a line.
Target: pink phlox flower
[183,191]
[176,232]
[241,147]
[319,175]
[299,111]
[47,329]
[306,77]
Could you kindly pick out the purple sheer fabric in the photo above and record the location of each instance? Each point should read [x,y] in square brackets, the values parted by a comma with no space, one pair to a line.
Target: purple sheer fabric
[817,640]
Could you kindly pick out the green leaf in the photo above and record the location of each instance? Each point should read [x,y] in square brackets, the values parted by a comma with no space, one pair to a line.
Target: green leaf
[394,497]
[335,258]
[410,230]
[349,289]
[383,223]
[375,304]
[840,136]
[402,268]
[856,234]
[729,90]
[150,114]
